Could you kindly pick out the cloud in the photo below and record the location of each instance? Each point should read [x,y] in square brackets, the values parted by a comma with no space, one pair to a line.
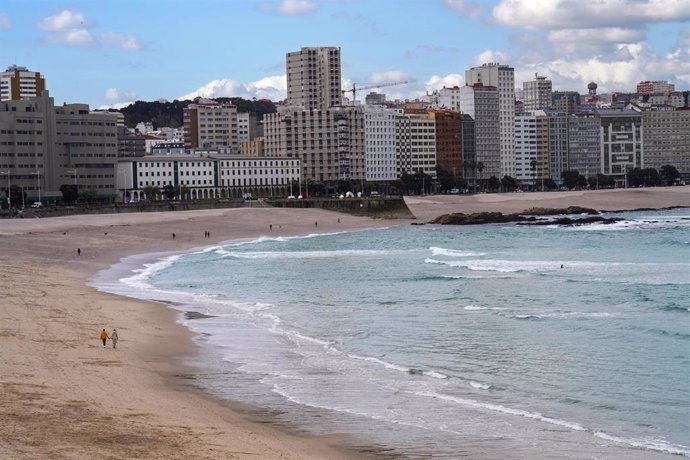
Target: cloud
[119,95]
[604,34]
[4,21]
[471,9]
[274,88]
[447,81]
[388,76]
[290,7]
[64,20]
[490,56]
[128,42]
[571,14]
[684,38]
[71,28]
[430,48]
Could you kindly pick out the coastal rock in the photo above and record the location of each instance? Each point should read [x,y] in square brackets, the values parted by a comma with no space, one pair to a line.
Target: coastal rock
[556,211]
[527,217]
[567,221]
[474,219]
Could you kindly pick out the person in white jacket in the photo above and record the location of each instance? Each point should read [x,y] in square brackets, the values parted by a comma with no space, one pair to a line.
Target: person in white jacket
[114,338]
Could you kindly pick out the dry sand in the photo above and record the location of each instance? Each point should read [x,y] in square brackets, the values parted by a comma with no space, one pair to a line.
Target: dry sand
[62,395]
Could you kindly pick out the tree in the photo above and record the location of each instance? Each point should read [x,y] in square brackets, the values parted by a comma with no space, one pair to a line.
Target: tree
[550,184]
[169,191]
[152,192]
[480,168]
[493,183]
[445,178]
[668,174]
[571,178]
[70,192]
[533,167]
[509,183]
[88,195]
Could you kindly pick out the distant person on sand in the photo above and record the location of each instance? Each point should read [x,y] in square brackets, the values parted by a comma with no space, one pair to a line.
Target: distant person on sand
[78,251]
[114,338]
[270,227]
[173,236]
[316,224]
[104,336]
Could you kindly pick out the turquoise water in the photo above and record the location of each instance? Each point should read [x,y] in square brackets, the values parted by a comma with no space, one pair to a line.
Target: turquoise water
[451,341]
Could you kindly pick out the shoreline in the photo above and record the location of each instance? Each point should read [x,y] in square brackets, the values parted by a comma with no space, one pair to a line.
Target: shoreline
[64,398]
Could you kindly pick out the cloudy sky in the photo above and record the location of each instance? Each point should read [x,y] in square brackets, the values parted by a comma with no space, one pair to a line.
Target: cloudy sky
[110,52]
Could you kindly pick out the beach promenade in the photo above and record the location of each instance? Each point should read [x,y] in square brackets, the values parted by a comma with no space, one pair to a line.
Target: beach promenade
[63,395]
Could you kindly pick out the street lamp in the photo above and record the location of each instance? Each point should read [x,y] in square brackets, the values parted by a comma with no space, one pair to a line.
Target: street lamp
[9,186]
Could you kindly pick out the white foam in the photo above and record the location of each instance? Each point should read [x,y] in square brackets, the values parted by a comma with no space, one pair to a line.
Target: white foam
[651,444]
[503,409]
[480,386]
[301,254]
[435,251]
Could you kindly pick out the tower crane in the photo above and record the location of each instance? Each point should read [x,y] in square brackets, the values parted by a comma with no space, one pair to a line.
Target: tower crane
[356,88]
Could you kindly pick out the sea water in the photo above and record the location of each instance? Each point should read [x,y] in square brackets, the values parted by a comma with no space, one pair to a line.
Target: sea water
[493,341]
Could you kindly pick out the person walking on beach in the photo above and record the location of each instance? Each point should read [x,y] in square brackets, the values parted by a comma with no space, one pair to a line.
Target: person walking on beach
[173,236]
[104,336]
[78,251]
[316,224]
[114,338]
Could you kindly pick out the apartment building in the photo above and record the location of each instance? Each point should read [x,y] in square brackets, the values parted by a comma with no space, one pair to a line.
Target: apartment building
[502,77]
[566,101]
[314,77]
[558,144]
[666,138]
[657,86]
[532,147]
[421,138]
[247,126]
[584,145]
[381,126]
[536,93]
[20,83]
[449,155]
[210,124]
[482,104]
[621,142]
[329,143]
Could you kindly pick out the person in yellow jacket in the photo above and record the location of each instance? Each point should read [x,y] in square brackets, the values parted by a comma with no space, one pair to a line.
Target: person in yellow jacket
[104,336]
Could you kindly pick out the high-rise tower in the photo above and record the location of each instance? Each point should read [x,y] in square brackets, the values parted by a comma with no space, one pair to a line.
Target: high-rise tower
[503,78]
[313,77]
[18,83]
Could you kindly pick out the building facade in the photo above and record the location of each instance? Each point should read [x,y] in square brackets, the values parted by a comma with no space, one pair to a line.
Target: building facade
[380,142]
[666,138]
[481,103]
[209,124]
[584,145]
[20,83]
[210,177]
[314,78]
[621,142]
[449,155]
[503,78]
[566,101]
[536,94]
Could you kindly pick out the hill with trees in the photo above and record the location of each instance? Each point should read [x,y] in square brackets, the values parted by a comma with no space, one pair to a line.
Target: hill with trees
[170,113]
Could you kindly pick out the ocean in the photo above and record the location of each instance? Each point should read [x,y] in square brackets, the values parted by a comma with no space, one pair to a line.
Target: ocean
[490,341]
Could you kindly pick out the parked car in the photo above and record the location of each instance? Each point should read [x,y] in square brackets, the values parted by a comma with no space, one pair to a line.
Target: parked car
[36,204]
[454,191]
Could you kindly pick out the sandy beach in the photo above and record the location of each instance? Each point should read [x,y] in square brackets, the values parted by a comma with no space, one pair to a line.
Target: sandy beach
[63,395]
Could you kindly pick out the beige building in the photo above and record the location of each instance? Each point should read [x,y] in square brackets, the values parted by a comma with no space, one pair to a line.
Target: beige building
[43,147]
[20,83]
[329,143]
[209,124]
[536,94]
[253,148]
[314,78]
[667,138]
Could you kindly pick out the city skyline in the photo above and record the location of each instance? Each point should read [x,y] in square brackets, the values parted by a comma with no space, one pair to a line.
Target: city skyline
[112,53]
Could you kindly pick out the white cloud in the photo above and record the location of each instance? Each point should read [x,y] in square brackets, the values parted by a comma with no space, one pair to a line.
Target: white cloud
[274,88]
[119,95]
[71,28]
[490,56]
[64,20]
[448,81]
[290,7]
[471,9]
[684,38]
[4,21]
[129,42]
[388,76]
[558,14]
[604,34]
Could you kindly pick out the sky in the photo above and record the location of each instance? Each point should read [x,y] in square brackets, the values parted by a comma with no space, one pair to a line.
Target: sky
[108,53]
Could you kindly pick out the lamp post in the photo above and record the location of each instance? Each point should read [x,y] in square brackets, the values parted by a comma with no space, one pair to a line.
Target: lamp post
[9,187]
[74,174]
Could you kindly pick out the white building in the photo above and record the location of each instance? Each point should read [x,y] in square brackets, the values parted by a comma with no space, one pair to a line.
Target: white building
[537,93]
[313,77]
[211,177]
[621,142]
[531,147]
[503,78]
[20,83]
[422,143]
[449,98]
[380,142]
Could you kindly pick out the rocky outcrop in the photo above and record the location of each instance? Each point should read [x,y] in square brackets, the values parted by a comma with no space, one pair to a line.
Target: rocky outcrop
[528,217]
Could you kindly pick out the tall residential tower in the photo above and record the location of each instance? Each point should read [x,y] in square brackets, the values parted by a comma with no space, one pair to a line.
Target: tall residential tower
[313,77]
